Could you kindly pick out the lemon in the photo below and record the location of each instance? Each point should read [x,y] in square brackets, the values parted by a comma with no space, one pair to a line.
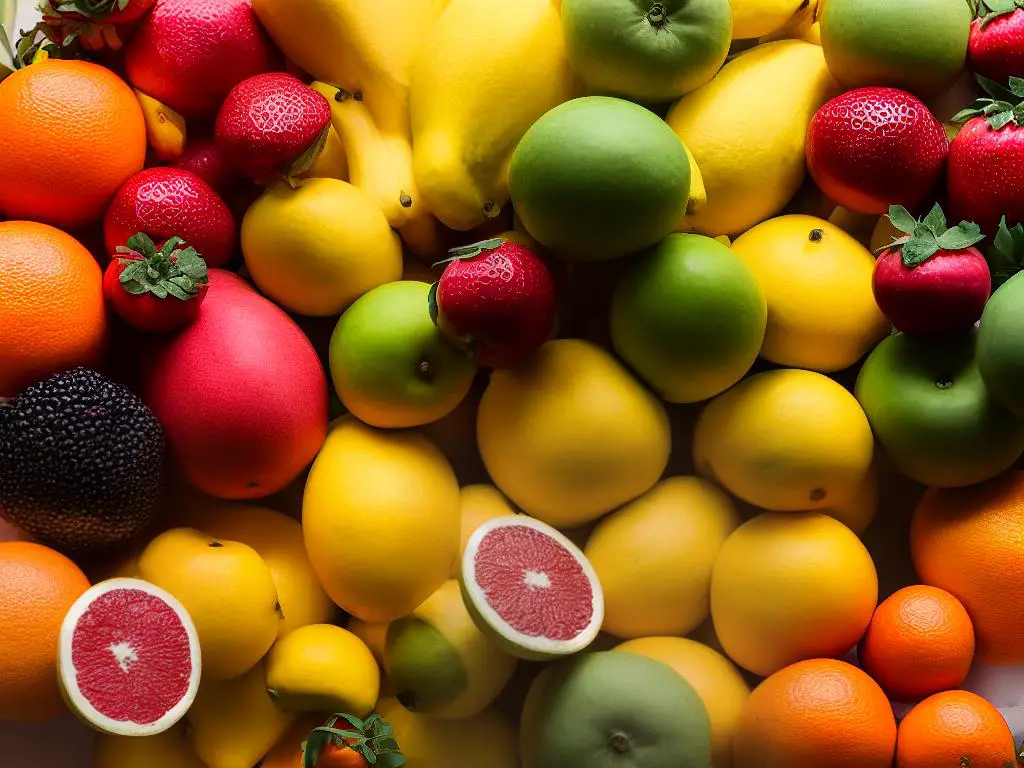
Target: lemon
[757,18]
[822,313]
[323,668]
[715,679]
[318,247]
[571,435]
[785,440]
[477,505]
[277,539]
[789,587]
[380,516]
[638,552]
[170,749]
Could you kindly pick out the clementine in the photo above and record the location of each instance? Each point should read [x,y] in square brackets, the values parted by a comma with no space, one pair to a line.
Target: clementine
[73,132]
[967,541]
[816,713]
[954,729]
[52,314]
[37,587]
[919,642]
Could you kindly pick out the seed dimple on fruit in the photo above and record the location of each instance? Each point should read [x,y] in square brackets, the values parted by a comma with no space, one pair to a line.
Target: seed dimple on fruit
[425,370]
[818,494]
[619,743]
[944,382]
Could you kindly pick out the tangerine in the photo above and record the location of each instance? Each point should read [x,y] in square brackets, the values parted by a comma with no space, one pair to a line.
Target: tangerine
[51,304]
[954,729]
[73,132]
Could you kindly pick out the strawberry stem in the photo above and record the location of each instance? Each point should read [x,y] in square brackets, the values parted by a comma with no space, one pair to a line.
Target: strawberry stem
[169,271]
[930,235]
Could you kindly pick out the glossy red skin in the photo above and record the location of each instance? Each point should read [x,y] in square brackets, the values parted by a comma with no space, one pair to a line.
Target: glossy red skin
[985,175]
[942,296]
[503,300]
[170,202]
[240,393]
[131,12]
[190,54]
[205,160]
[146,312]
[874,147]
[267,122]
[997,50]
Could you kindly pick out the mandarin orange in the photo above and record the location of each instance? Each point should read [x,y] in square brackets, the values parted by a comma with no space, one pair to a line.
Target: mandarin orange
[955,729]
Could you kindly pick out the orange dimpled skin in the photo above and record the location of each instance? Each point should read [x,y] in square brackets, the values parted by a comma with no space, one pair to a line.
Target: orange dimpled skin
[955,729]
[820,713]
[920,641]
[72,133]
[52,315]
[37,587]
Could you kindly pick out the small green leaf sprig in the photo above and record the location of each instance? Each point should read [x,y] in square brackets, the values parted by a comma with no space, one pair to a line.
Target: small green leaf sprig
[166,272]
[923,239]
[1004,104]
[373,738]
[990,10]
[90,9]
[1006,256]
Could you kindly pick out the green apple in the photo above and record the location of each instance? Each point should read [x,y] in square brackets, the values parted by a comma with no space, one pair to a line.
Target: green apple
[1001,344]
[932,413]
[390,364]
[643,50]
[689,317]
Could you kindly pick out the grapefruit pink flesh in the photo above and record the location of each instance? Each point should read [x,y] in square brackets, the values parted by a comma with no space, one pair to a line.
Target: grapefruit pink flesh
[129,658]
[531,589]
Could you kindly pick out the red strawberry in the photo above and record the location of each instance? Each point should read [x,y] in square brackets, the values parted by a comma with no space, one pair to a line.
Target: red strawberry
[155,290]
[272,125]
[205,160]
[190,54]
[932,282]
[166,202]
[996,47]
[985,170]
[875,147]
[498,297]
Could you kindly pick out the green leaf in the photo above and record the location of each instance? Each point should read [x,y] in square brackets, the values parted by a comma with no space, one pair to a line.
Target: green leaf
[312,748]
[142,243]
[393,760]
[997,91]
[192,265]
[308,158]
[902,219]
[935,220]
[1016,85]
[1006,256]
[1000,120]
[963,235]
[474,250]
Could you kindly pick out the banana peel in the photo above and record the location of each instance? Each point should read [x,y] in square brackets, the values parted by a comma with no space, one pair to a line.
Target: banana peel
[802,26]
[698,192]
[165,129]
[332,162]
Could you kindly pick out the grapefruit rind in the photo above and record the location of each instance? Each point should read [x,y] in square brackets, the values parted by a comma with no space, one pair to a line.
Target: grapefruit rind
[67,673]
[496,628]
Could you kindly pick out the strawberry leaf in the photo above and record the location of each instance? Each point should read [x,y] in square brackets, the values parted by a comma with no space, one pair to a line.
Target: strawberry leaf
[921,247]
[142,244]
[931,235]
[902,219]
[467,252]
[935,220]
[1006,256]
[963,235]
[1016,85]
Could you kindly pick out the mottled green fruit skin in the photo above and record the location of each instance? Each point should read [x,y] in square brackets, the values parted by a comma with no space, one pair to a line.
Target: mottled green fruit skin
[646,51]
[689,317]
[425,670]
[580,708]
[376,354]
[1001,345]
[917,45]
[933,415]
[599,178]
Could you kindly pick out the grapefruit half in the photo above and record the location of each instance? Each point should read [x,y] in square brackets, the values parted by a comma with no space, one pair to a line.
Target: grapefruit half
[129,658]
[530,589]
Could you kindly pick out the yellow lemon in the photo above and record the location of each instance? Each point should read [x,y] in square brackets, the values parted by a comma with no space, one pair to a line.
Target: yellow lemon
[277,538]
[571,435]
[638,552]
[478,504]
[716,680]
[228,591]
[789,587]
[317,247]
[323,668]
[785,440]
[822,313]
[380,515]
[170,749]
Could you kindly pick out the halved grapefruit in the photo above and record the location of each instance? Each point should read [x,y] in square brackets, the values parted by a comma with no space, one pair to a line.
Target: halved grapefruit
[129,659]
[530,589]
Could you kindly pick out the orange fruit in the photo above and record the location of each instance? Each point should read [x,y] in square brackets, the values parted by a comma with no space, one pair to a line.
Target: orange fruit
[919,642]
[967,541]
[954,729]
[51,304]
[814,714]
[37,587]
[73,132]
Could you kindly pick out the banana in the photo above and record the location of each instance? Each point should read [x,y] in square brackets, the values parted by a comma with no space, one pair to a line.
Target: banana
[802,26]
[331,163]
[165,128]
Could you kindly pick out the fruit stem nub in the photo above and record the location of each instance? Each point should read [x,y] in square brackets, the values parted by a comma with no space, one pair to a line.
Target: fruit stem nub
[816,235]
[657,16]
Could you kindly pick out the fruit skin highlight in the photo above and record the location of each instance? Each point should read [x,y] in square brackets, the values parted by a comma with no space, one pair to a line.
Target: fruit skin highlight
[113,629]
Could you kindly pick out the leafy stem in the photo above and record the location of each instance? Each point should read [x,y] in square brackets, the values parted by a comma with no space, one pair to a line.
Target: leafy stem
[924,238]
[168,271]
[467,252]
[373,739]
[990,10]
[1003,105]
[1006,256]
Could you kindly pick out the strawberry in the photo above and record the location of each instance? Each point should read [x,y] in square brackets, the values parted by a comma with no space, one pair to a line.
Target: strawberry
[996,46]
[155,290]
[931,281]
[344,741]
[498,298]
[190,54]
[875,147]
[985,170]
[272,125]
[168,201]
[205,160]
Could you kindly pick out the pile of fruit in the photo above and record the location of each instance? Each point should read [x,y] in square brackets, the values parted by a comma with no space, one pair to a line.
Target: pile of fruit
[513,383]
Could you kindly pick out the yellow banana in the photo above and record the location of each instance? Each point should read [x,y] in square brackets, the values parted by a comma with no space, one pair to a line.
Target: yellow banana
[800,27]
